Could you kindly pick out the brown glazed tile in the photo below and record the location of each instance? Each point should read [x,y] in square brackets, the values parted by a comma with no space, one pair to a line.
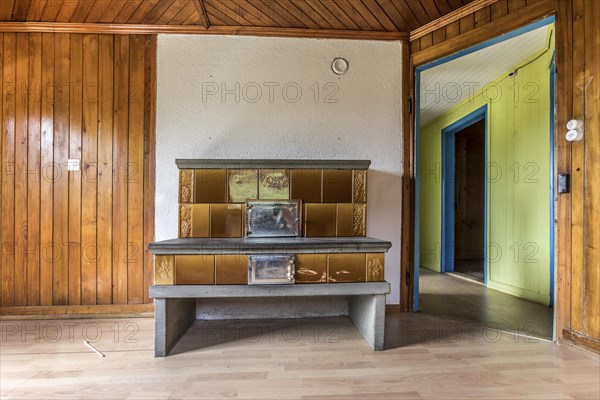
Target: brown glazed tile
[200,220]
[306,185]
[226,220]
[337,186]
[195,269]
[274,184]
[375,267]
[164,270]
[185,220]
[359,227]
[243,185]
[311,268]
[210,186]
[231,269]
[319,220]
[345,220]
[348,267]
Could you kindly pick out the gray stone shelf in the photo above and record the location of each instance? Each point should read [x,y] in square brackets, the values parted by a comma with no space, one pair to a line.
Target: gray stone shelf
[270,245]
[270,164]
[177,307]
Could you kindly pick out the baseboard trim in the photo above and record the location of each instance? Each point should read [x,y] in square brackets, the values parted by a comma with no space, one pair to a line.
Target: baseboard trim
[582,340]
[70,312]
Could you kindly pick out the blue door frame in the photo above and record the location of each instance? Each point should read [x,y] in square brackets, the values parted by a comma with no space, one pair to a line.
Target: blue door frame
[448,181]
[417,216]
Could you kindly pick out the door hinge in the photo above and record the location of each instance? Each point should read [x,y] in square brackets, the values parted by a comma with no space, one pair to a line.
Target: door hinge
[408,280]
[410,105]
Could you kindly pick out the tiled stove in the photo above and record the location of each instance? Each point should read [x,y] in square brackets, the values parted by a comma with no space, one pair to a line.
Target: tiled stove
[265,228]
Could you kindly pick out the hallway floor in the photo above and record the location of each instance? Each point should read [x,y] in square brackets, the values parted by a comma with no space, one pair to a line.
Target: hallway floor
[452,297]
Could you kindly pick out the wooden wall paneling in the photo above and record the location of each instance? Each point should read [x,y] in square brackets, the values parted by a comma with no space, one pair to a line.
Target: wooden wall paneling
[61,177]
[135,172]
[8,168]
[452,29]
[149,158]
[408,182]
[564,107]
[426,41]
[105,81]
[577,172]
[75,192]
[4,249]
[515,5]
[591,207]
[90,248]
[120,154]
[20,149]
[467,23]
[482,16]
[498,9]
[33,168]
[439,35]
[67,10]
[20,9]
[48,93]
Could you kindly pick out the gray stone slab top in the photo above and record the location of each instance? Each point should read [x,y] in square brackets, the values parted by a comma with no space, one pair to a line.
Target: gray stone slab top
[270,164]
[270,245]
[237,291]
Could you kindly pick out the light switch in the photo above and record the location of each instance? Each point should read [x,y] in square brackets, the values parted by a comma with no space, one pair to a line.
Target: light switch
[73,164]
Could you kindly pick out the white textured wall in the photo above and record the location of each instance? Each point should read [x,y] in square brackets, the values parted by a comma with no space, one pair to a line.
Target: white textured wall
[364,123]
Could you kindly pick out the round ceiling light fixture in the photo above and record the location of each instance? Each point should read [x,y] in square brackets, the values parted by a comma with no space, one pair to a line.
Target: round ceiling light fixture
[340,66]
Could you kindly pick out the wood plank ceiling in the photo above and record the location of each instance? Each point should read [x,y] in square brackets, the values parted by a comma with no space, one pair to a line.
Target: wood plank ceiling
[338,15]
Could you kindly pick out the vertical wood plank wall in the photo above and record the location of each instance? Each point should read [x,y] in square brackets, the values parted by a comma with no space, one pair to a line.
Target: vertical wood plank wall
[577,214]
[72,238]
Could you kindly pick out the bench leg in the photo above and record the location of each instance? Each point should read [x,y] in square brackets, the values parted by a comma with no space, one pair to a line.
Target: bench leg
[172,318]
[368,314]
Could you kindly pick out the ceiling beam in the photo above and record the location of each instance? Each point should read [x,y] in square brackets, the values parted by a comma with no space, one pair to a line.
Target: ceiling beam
[202,11]
[450,17]
[198,29]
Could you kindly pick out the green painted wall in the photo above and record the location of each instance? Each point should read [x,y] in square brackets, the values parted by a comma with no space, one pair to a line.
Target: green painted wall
[518,180]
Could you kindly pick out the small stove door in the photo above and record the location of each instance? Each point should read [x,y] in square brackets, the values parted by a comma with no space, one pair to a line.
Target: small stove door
[271,269]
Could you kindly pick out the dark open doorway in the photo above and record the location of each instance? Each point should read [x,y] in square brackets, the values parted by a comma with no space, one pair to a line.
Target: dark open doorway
[469,201]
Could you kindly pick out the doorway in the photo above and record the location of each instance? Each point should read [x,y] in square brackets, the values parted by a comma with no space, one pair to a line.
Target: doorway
[464,196]
[483,189]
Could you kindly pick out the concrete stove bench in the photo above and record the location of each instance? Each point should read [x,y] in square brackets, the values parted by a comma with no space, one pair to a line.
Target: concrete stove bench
[176,307]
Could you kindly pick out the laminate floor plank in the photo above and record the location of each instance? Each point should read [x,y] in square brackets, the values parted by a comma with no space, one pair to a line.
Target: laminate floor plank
[426,357]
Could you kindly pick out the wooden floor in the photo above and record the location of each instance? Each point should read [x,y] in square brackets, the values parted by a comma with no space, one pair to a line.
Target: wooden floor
[427,357]
[450,296]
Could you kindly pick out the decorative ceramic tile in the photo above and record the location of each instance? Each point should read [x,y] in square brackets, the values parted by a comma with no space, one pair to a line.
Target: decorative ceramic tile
[274,184]
[347,267]
[306,185]
[337,186]
[359,193]
[185,220]
[164,271]
[375,267]
[231,269]
[210,186]
[226,220]
[311,268]
[319,220]
[345,220]
[359,227]
[186,186]
[243,185]
[195,269]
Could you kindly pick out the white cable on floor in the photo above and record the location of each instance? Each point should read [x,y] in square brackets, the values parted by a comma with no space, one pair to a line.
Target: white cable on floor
[93,348]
